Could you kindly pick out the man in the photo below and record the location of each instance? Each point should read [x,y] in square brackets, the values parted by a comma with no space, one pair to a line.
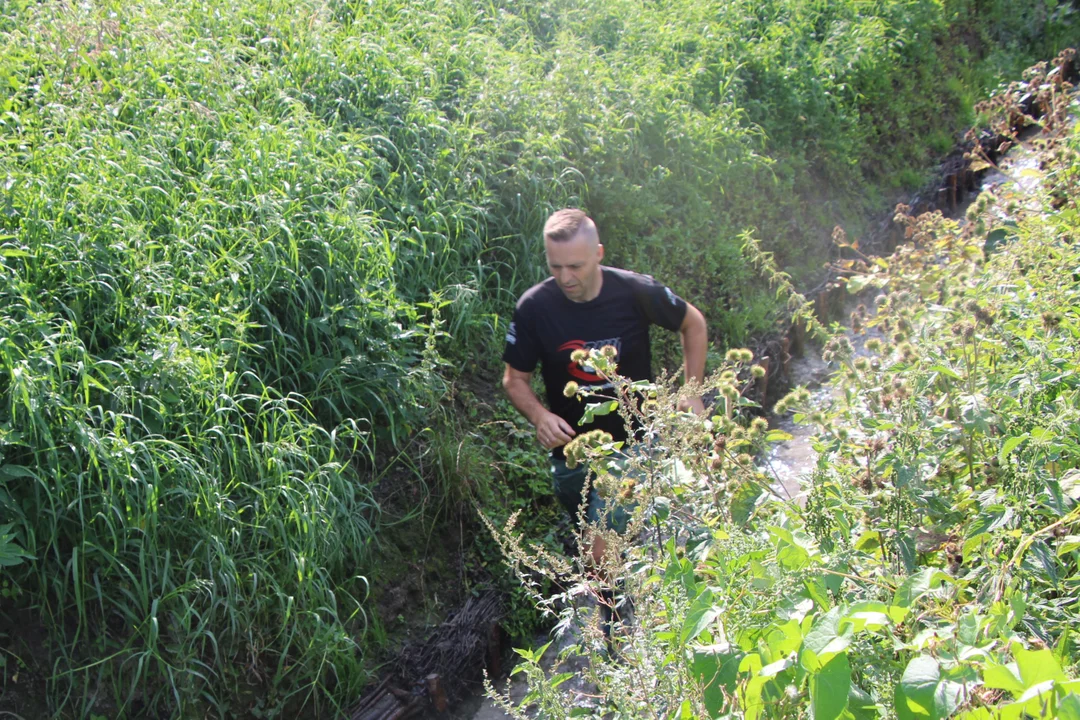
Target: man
[585,305]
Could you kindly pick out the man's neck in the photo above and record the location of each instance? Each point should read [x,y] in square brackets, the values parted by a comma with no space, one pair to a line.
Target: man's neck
[599,286]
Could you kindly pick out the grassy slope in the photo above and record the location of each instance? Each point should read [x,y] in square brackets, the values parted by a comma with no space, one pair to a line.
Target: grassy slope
[233,233]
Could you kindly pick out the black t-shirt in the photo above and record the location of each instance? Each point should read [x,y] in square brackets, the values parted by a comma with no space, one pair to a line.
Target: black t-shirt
[547,327]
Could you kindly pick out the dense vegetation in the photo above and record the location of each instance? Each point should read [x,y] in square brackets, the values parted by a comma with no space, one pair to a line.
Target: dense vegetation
[244,246]
[934,568]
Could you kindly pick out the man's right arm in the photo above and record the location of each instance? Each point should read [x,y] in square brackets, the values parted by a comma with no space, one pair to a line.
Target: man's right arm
[551,430]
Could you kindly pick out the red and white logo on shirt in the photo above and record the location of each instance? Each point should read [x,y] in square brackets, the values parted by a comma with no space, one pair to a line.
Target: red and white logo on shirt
[585,372]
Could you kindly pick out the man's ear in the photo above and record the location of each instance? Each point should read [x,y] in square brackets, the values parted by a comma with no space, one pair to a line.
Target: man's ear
[600,251]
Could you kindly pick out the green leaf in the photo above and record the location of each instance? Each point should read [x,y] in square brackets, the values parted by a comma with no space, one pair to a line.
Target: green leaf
[744,501]
[901,706]
[1069,707]
[861,705]
[1037,666]
[601,408]
[918,585]
[947,371]
[830,688]
[773,669]
[1067,544]
[926,693]
[867,620]
[557,680]
[1009,445]
[868,541]
[1001,677]
[700,616]
[778,436]
[11,553]
[717,669]
[919,683]
[857,283]
[895,613]
[968,628]
[823,641]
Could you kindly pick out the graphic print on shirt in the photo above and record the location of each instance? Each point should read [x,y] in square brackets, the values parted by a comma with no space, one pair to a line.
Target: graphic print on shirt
[586,372]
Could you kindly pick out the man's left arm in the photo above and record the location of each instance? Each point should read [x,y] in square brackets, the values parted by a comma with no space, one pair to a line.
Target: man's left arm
[695,338]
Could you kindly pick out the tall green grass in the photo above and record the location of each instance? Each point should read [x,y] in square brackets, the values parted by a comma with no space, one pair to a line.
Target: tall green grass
[243,244]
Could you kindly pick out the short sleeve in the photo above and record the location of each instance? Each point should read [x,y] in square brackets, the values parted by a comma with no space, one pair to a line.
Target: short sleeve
[521,347]
[659,304]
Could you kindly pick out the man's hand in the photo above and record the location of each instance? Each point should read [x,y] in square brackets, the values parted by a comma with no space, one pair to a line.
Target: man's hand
[552,431]
[692,404]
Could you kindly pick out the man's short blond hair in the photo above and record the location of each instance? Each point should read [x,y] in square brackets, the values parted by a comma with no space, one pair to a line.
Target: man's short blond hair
[565,224]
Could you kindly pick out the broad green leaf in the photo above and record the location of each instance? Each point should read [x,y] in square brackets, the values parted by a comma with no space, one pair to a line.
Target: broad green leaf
[744,501]
[968,628]
[947,697]
[901,705]
[823,641]
[972,544]
[895,613]
[700,616]
[861,705]
[777,436]
[868,541]
[857,283]
[1069,707]
[1002,677]
[601,408]
[1037,666]
[557,680]
[1009,445]
[926,692]
[1070,484]
[976,714]
[918,585]
[717,669]
[1067,544]
[752,702]
[1036,698]
[830,688]
[11,553]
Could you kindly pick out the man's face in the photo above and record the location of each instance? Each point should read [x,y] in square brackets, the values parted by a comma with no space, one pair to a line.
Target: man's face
[575,265]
